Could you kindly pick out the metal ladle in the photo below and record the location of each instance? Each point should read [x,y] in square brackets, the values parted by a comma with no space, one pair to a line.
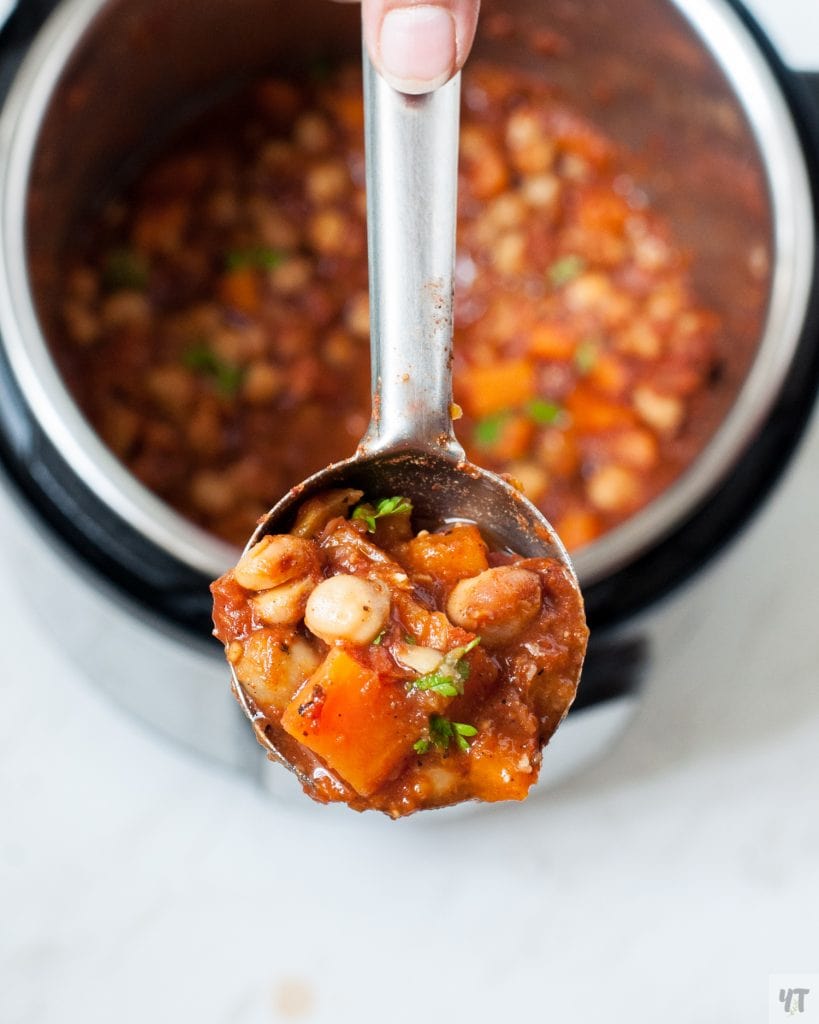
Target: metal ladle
[409,448]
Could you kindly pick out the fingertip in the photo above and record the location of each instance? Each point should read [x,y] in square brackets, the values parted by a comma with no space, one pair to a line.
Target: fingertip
[417,47]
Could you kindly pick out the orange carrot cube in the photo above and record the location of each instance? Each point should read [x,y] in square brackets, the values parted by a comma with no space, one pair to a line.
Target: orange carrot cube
[447,557]
[358,724]
[498,386]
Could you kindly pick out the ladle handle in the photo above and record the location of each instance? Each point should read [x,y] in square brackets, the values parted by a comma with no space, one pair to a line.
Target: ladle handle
[412,191]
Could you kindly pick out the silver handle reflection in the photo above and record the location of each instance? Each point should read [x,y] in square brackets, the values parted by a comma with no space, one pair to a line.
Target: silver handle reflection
[412,191]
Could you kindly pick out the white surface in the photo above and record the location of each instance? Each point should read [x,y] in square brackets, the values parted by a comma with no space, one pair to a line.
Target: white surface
[139,886]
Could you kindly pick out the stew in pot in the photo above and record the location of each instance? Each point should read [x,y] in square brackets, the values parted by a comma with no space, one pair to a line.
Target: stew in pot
[215,323]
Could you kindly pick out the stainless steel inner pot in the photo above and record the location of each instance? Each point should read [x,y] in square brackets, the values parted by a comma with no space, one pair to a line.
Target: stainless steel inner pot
[682,82]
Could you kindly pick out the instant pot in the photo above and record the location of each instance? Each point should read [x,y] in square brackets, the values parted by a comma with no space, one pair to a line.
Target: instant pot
[729,139]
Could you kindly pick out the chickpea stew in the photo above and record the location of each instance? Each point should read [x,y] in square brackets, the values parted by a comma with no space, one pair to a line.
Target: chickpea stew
[400,669]
[215,320]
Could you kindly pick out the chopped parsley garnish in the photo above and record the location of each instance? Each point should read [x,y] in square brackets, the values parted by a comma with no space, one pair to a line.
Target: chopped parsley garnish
[565,270]
[257,257]
[442,733]
[379,638]
[369,513]
[449,677]
[125,268]
[488,430]
[586,355]
[543,412]
[226,377]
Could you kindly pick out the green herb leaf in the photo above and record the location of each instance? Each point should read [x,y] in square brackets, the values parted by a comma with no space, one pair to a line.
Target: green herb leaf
[226,377]
[449,677]
[565,270]
[369,513]
[436,682]
[125,268]
[488,430]
[442,732]
[586,355]
[543,412]
[259,257]
[410,639]
[379,638]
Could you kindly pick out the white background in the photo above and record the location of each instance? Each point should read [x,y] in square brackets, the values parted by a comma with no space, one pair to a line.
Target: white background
[141,886]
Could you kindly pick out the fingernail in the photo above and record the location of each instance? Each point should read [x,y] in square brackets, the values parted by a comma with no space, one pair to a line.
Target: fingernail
[417,48]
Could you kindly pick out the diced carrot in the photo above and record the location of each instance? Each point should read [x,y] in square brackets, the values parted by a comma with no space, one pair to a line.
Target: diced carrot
[240,288]
[609,374]
[354,720]
[500,770]
[498,386]
[591,412]
[603,211]
[578,527]
[447,557]
[552,341]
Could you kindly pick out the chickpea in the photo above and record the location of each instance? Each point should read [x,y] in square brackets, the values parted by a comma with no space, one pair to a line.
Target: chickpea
[532,150]
[533,479]
[328,231]
[173,388]
[222,208]
[508,253]
[126,309]
[276,560]
[541,190]
[613,489]
[327,182]
[262,383]
[498,603]
[357,315]
[284,605]
[347,608]
[204,429]
[339,350]
[639,338]
[120,428]
[212,493]
[312,132]
[82,325]
[273,228]
[635,447]
[664,413]
[83,284]
[507,211]
[292,276]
